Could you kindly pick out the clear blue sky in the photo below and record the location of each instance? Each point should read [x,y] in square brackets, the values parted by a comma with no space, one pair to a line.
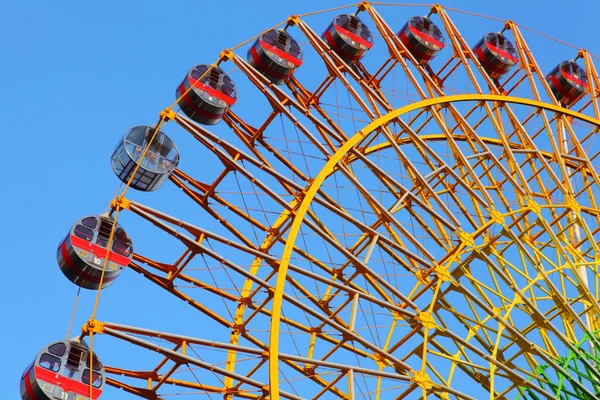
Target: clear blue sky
[75,76]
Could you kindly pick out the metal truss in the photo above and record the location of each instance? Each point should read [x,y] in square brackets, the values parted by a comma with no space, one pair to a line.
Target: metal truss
[436,237]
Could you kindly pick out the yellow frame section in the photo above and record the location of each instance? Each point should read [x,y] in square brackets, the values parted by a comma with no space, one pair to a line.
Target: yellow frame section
[329,168]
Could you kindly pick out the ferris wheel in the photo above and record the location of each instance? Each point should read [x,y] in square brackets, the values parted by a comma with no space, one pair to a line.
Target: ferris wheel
[399,212]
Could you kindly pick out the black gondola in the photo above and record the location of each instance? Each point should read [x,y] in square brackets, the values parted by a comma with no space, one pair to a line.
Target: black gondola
[422,38]
[62,371]
[158,163]
[82,253]
[568,82]
[496,54]
[349,37]
[212,93]
[276,55]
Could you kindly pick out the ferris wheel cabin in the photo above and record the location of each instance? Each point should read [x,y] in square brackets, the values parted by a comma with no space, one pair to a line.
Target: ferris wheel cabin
[349,37]
[212,93]
[159,161]
[422,38]
[568,82]
[81,255]
[496,54]
[61,371]
[276,55]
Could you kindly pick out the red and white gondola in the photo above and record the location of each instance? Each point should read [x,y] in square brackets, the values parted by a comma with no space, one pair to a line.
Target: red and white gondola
[496,54]
[349,37]
[62,371]
[568,82]
[422,38]
[82,253]
[212,93]
[276,55]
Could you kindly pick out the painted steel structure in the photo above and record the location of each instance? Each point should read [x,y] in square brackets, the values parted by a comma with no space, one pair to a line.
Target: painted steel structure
[435,238]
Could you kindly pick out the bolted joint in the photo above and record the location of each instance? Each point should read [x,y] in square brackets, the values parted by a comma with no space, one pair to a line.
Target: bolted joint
[238,329]
[92,326]
[273,232]
[364,6]
[422,276]
[380,360]
[324,304]
[422,380]
[167,114]
[245,300]
[293,20]
[266,392]
[226,54]
[426,320]
[120,203]
[338,272]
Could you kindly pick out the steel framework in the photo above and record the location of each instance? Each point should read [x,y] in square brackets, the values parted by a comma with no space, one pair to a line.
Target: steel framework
[386,229]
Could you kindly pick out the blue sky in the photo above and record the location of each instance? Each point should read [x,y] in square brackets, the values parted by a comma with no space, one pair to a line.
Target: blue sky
[76,75]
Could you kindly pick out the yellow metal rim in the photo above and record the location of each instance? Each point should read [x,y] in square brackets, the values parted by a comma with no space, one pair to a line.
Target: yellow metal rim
[329,168]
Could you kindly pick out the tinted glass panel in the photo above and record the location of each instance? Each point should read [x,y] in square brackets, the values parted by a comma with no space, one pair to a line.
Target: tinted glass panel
[272,33]
[84,233]
[295,50]
[58,349]
[269,37]
[365,33]
[137,135]
[50,362]
[295,53]
[90,222]
[198,72]
[228,88]
[70,372]
[342,20]
[96,366]
[96,378]
[227,91]
[121,248]
[437,34]
[201,69]
[121,235]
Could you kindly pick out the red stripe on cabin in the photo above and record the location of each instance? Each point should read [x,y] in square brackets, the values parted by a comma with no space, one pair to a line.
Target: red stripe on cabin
[68,385]
[414,51]
[212,91]
[28,387]
[66,257]
[500,69]
[195,107]
[353,36]
[502,53]
[100,252]
[417,32]
[344,54]
[561,89]
[280,53]
[259,62]
[574,79]
[81,273]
